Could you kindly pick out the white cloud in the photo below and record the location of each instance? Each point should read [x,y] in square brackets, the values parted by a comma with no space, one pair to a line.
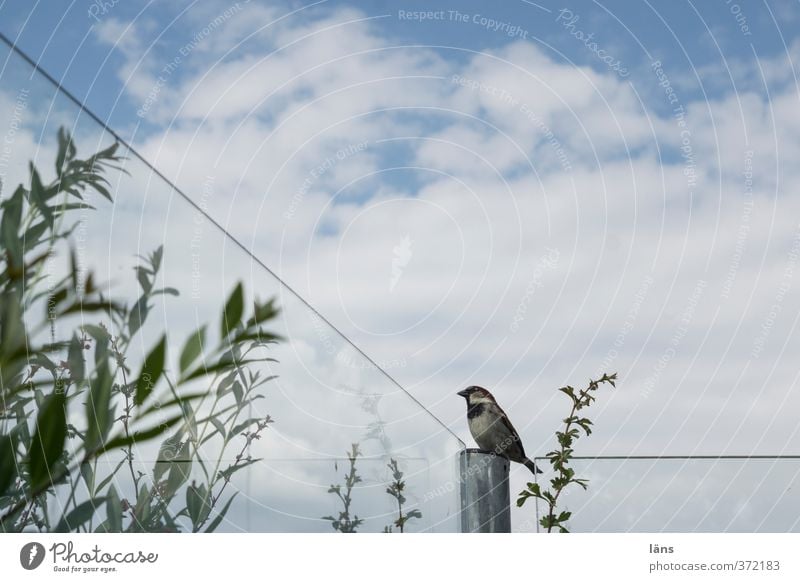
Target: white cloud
[482,207]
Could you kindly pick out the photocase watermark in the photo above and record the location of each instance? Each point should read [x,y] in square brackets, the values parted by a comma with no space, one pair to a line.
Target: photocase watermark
[100,8]
[81,239]
[14,124]
[679,114]
[777,304]
[320,170]
[677,337]
[324,334]
[481,87]
[545,263]
[169,69]
[195,243]
[401,256]
[627,325]
[509,29]
[568,20]
[95,560]
[478,465]
[555,144]
[744,226]
[361,363]
[509,99]
[741,19]
[31,555]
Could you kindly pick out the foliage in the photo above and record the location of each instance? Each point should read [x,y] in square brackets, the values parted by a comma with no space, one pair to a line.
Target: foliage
[396,489]
[67,403]
[561,457]
[345,523]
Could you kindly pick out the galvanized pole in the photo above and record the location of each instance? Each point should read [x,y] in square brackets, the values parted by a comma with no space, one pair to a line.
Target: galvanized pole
[485,493]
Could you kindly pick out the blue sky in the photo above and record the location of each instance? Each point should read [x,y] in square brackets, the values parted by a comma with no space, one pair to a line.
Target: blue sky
[497,199]
[679,33]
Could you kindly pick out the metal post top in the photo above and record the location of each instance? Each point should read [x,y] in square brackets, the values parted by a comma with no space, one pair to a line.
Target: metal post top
[485,495]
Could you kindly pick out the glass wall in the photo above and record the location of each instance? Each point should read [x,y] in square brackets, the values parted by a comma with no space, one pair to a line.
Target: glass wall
[683,495]
[322,395]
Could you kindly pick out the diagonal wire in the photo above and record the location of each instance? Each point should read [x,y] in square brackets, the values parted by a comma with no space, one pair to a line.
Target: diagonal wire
[69,95]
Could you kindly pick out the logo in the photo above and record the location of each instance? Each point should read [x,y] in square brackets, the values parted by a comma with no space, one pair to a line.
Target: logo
[31,555]
[402,256]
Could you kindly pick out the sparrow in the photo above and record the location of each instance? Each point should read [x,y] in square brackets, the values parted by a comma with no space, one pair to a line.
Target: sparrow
[491,428]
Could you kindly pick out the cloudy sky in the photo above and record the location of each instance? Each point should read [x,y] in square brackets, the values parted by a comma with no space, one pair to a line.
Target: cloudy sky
[522,196]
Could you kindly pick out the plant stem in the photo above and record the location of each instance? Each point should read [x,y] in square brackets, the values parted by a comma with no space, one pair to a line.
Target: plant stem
[126,417]
[400,515]
[551,514]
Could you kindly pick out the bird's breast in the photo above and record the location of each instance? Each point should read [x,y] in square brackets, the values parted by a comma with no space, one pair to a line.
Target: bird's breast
[484,428]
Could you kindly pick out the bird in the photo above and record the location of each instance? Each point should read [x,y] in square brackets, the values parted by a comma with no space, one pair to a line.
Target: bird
[491,428]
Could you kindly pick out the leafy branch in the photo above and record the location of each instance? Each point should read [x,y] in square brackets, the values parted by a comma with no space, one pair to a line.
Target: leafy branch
[345,523]
[49,383]
[396,489]
[561,457]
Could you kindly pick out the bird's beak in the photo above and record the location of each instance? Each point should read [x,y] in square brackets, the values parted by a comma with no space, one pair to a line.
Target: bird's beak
[464,393]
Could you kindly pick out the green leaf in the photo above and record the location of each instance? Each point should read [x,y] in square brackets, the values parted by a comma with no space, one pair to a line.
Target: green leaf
[88,475]
[142,509]
[198,504]
[234,308]
[262,312]
[101,338]
[223,365]
[218,425]
[34,234]
[48,441]
[108,479]
[113,511]
[39,197]
[192,349]
[138,315]
[174,460]
[144,280]
[194,502]
[155,258]
[142,435]
[221,515]
[178,474]
[75,359]
[169,450]
[66,150]
[98,408]
[97,332]
[13,339]
[78,516]
[8,462]
[228,473]
[9,227]
[258,335]
[161,406]
[152,369]
[238,394]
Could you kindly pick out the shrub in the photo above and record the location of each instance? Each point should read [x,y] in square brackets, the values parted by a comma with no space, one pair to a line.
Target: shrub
[46,382]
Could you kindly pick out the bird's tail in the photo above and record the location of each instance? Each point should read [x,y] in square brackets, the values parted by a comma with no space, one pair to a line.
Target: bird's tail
[531,465]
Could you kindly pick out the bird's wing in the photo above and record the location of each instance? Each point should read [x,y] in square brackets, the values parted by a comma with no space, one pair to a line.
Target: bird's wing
[517,446]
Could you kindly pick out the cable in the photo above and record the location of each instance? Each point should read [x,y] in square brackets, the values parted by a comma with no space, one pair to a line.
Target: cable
[60,88]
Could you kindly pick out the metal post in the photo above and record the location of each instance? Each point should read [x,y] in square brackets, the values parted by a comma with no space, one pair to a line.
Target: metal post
[485,494]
